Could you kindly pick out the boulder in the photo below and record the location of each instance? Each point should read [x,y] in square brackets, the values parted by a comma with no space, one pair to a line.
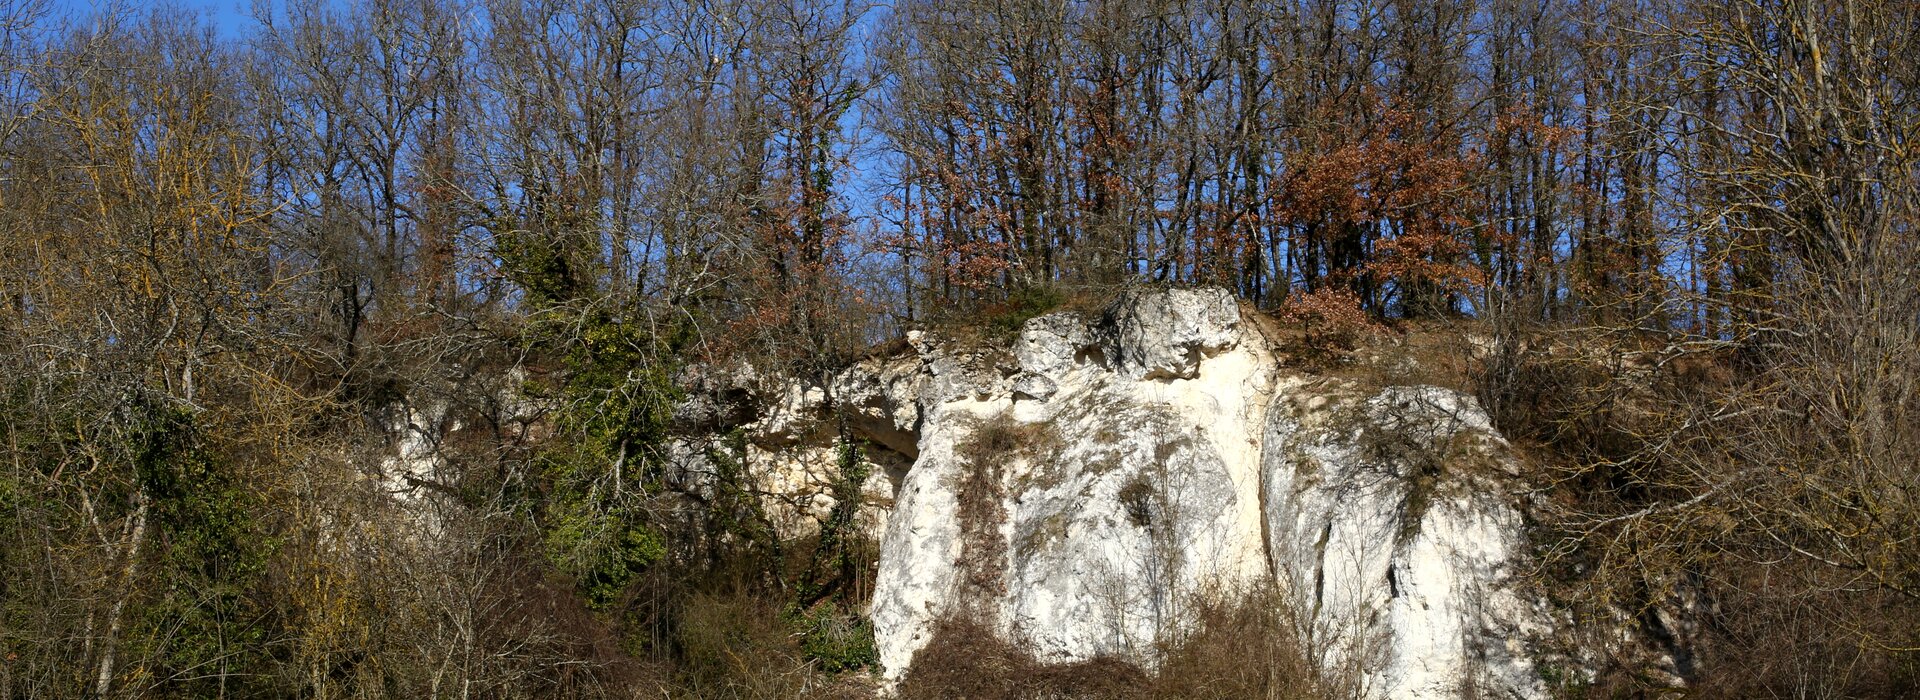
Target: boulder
[1166,333]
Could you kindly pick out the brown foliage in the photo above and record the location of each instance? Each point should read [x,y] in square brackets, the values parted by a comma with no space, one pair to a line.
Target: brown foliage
[968,660]
[981,496]
[1689,224]
[1241,647]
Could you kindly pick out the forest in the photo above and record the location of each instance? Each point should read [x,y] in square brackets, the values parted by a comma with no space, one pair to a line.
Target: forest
[1687,233]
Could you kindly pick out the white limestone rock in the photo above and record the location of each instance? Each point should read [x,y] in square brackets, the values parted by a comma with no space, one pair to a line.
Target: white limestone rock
[792,416]
[1052,345]
[1176,459]
[1029,385]
[882,397]
[1121,499]
[1390,518]
[1165,334]
[1078,490]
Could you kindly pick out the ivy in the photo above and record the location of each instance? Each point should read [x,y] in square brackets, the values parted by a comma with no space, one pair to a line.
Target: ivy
[212,553]
[836,558]
[613,395]
[541,266]
[734,509]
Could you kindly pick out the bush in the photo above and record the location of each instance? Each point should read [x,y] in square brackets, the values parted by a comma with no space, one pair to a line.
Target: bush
[1022,304]
[836,641]
[740,647]
[967,659]
[1211,661]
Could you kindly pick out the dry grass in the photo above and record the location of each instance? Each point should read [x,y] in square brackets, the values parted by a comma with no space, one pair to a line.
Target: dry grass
[1243,647]
[739,647]
[1443,354]
[995,323]
[1246,647]
[1675,474]
[968,660]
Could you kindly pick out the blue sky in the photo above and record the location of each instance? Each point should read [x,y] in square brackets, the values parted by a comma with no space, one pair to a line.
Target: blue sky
[229,17]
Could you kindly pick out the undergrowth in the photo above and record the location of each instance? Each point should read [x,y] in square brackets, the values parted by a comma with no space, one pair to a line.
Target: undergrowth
[1241,647]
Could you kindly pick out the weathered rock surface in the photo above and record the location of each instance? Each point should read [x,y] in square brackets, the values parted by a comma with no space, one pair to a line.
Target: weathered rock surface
[1116,494]
[1388,517]
[1080,490]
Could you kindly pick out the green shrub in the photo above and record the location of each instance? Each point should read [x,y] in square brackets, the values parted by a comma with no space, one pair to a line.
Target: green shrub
[836,640]
[1022,304]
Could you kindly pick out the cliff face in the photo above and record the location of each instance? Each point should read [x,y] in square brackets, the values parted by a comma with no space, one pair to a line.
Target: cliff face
[1082,489]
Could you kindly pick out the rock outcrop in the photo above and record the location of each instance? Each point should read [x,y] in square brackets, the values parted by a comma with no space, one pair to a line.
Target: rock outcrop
[1081,490]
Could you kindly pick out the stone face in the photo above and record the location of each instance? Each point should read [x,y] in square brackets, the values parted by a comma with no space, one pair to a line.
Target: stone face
[1052,345]
[883,398]
[1165,334]
[1031,385]
[1081,489]
[1387,515]
[788,435]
